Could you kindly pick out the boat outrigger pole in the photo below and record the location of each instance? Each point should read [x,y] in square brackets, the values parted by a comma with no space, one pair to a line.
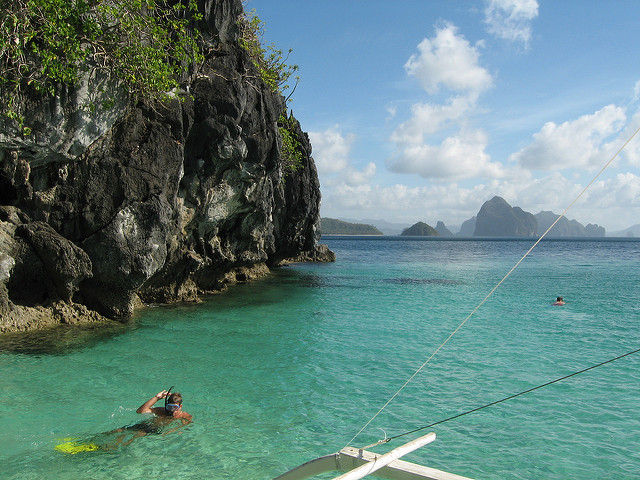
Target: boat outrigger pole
[368,468]
[358,463]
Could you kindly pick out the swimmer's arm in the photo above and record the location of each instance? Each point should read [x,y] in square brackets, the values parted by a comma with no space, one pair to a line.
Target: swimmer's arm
[146,406]
[184,422]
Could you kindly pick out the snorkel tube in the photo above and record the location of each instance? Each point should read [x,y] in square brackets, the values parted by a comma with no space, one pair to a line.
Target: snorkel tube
[166,398]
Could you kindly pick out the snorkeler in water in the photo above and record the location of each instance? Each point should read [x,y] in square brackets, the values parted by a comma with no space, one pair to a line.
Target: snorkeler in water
[162,417]
[172,406]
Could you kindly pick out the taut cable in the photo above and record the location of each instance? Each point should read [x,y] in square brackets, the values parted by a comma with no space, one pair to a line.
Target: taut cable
[388,439]
[496,287]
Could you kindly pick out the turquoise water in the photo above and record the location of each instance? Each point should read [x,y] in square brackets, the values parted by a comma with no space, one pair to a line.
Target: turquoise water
[290,367]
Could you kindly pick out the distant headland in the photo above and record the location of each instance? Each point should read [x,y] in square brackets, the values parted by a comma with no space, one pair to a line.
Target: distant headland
[331,226]
[496,218]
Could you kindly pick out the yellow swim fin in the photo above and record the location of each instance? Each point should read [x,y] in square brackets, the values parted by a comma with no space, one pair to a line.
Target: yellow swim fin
[73,446]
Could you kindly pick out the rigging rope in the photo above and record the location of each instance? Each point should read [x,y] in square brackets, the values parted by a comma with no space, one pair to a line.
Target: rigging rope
[388,439]
[496,287]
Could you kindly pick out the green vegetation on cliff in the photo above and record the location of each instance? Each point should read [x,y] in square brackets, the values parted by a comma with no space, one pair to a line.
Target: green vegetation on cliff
[146,44]
[331,226]
[92,203]
[291,150]
[420,229]
[270,61]
[274,72]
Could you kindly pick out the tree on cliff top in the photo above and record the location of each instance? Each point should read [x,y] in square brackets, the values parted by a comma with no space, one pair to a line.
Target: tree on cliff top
[146,44]
[270,61]
[274,71]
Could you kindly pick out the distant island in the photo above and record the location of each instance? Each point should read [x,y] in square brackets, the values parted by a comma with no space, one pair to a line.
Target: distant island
[420,229]
[633,231]
[331,226]
[442,230]
[496,218]
[467,228]
[566,227]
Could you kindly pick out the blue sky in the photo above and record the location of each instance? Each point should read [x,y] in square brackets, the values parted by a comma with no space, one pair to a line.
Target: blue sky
[422,110]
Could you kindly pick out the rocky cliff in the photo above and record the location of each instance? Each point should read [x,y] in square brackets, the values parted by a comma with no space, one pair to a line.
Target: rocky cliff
[467,228]
[497,218]
[101,210]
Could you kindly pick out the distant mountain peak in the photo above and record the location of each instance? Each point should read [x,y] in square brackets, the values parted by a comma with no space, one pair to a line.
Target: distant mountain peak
[420,229]
[443,230]
[497,218]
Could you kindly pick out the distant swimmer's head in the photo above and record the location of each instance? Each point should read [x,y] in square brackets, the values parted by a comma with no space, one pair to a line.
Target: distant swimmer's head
[559,301]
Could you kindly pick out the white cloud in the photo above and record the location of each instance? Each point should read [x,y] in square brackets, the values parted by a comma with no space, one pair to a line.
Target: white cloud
[331,149]
[331,153]
[343,198]
[511,19]
[354,177]
[392,110]
[575,144]
[627,190]
[631,153]
[457,157]
[448,60]
[349,177]
[613,203]
[439,141]
[428,119]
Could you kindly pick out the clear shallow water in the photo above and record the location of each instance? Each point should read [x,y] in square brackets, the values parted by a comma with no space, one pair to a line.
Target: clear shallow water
[290,367]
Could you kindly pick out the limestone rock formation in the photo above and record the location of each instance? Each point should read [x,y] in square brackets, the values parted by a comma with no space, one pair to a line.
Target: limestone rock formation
[65,264]
[420,229]
[632,231]
[497,218]
[566,227]
[594,230]
[442,230]
[467,228]
[149,201]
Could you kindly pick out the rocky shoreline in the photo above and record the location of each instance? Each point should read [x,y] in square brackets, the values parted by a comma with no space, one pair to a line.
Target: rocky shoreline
[146,202]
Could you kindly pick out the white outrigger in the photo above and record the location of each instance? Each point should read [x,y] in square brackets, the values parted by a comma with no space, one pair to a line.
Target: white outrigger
[358,463]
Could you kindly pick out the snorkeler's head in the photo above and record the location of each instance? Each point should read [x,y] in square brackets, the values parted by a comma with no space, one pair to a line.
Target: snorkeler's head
[173,403]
